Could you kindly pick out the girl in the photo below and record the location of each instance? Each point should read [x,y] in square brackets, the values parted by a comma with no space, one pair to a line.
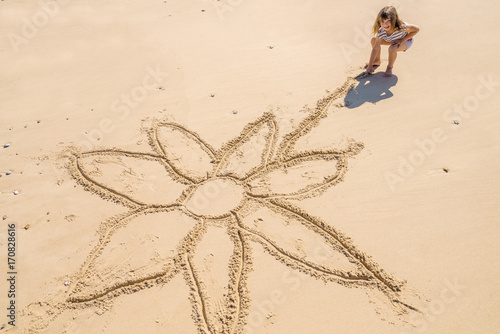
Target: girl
[390,30]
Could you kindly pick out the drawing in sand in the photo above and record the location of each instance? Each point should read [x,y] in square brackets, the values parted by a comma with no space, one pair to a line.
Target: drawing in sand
[228,196]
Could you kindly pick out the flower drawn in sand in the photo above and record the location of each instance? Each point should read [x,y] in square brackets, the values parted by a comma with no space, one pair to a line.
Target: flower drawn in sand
[197,210]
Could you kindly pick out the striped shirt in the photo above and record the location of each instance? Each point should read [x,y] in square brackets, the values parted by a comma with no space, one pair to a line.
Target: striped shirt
[382,34]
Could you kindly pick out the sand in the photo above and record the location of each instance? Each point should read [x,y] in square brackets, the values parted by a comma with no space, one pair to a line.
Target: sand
[217,167]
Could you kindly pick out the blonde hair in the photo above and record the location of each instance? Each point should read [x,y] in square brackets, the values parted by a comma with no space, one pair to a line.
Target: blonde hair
[388,12]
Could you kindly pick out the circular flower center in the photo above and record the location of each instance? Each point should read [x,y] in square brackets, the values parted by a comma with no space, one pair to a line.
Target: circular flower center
[215,197]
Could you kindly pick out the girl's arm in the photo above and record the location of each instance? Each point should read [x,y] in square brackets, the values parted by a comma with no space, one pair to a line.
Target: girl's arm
[412,31]
[373,55]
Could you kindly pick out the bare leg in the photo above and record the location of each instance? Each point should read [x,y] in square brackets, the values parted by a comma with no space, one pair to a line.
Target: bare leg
[393,54]
[375,56]
[376,61]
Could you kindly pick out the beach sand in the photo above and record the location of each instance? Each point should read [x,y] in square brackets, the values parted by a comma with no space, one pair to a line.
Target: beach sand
[216,167]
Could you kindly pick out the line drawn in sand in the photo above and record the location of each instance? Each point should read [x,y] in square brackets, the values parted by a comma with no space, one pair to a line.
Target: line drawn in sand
[224,202]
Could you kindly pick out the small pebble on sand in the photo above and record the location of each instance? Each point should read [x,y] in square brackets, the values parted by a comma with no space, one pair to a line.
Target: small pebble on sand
[6,145]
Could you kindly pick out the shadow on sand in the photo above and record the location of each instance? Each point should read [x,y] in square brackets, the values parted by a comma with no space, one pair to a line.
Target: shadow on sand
[372,88]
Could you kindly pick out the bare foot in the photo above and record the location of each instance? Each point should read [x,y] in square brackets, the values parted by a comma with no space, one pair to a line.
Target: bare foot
[388,72]
[375,66]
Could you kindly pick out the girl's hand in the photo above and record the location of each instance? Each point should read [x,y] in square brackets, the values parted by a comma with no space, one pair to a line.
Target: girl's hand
[396,44]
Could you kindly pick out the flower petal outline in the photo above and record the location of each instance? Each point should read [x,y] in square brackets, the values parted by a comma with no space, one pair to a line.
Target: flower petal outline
[159,264]
[307,124]
[312,260]
[119,191]
[337,158]
[235,304]
[384,281]
[263,153]
[206,152]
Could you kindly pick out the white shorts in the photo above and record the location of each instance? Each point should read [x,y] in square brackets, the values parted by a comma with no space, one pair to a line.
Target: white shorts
[409,43]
